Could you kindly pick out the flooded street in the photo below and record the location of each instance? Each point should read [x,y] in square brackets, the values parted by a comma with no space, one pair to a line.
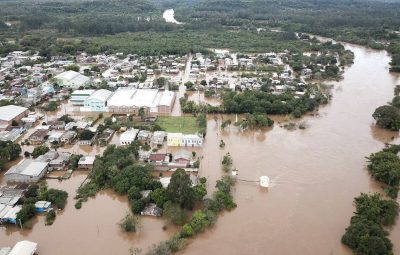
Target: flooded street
[315,174]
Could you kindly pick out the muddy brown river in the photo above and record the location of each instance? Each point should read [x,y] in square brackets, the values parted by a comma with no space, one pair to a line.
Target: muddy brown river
[315,174]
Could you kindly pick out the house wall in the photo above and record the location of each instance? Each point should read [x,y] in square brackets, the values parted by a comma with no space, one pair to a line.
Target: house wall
[174,141]
[192,142]
[95,105]
[125,142]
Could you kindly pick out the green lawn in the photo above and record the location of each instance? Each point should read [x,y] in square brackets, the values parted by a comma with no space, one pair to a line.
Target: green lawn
[179,124]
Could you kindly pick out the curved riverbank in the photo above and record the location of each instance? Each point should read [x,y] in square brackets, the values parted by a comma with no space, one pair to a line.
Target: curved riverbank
[315,173]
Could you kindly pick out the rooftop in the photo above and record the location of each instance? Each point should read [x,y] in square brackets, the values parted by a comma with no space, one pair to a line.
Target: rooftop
[9,112]
[24,248]
[130,134]
[28,167]
[87,160]
[101,94]
[72,76]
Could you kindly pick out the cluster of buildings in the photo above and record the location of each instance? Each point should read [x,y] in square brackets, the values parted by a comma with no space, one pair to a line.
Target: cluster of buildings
[10,197]
[28,80]
[159,137]
[32,170]
[125,100]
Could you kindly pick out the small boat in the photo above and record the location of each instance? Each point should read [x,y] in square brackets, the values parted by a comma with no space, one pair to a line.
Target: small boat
[264,181]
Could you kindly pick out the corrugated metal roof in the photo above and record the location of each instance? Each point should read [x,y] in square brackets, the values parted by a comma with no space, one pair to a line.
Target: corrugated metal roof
[9,112]
[24,248]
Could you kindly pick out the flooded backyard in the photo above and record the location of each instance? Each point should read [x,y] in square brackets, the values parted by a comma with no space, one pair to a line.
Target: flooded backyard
[315,174]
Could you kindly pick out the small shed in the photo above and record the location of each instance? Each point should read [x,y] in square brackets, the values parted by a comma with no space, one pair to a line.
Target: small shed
[42,206]
[86,162]
[152,210]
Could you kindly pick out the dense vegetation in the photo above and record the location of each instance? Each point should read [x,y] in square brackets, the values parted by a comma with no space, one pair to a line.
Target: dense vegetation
[118,169]
[70,26]
[201,219]
[40,150]
[366,233]
[388,116]
[58,199]
[259,102]
[385,167]
[8,151]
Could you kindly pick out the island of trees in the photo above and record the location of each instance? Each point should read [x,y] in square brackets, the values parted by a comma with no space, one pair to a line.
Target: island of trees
[367,233]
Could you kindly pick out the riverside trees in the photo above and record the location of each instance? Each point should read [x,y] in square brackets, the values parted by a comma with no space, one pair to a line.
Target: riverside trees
[366,234]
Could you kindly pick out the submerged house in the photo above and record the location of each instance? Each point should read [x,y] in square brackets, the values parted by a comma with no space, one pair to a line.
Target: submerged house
[152,210]
[9,214]
[86,162]
[42,206]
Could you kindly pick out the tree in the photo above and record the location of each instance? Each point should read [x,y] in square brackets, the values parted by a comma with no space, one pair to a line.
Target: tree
[9,151]
[387,117]
[142,113]
[179,190]
[26,213]
[40,150]
[57,197]
[66,118]
[50,217]
[199,221]
[187,231]
[72,68]
[176,243]
[86,135]
[129,223]
[175,213]
[374,208]
[134,193]
[189,85]
[159,196]
[138,206]
[396,102]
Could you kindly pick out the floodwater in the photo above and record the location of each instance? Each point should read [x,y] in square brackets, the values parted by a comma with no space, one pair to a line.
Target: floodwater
[315,174]
[169,17]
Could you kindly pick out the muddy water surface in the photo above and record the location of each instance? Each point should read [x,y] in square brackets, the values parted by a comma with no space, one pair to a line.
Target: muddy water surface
[315,175]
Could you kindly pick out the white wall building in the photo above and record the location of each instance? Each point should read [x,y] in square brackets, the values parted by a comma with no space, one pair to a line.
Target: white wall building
[72,79]
[128,136]
[130,100]
[78,97]
[97,102]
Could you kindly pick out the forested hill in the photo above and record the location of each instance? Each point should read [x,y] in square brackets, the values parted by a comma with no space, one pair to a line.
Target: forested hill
[372,23]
